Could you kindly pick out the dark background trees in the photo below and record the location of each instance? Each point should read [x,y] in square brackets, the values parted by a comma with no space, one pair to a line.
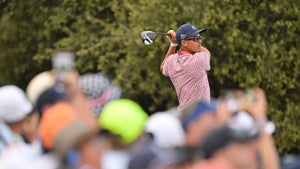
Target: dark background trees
[253,43]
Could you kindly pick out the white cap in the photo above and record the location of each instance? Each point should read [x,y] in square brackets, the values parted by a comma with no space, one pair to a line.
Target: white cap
[167,130]
[14,105]
[39,84]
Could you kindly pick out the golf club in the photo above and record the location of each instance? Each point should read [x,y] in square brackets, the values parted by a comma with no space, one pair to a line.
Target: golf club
[149,36]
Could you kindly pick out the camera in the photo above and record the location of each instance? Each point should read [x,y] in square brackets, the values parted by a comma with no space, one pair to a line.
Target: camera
[235,100]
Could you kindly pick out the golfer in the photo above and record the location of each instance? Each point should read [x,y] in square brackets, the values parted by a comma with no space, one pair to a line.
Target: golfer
[187,68]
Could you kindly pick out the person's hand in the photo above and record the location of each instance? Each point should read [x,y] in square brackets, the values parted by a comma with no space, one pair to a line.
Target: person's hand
[71,82]
[258,106]
[223,113]
[172,38]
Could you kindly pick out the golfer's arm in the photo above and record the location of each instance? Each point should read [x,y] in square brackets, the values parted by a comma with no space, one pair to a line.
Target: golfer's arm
[171,50]
[203,49]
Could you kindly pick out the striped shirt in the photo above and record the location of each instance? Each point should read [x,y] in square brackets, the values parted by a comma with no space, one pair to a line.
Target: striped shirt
[188,73]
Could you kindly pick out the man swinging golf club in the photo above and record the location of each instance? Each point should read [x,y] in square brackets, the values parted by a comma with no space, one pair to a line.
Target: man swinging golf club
[187,68]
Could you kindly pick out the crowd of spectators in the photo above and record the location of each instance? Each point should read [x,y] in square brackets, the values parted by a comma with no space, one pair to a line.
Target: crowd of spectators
[83,122]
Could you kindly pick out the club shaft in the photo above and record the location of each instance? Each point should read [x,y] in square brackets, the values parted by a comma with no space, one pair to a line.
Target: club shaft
[161,33]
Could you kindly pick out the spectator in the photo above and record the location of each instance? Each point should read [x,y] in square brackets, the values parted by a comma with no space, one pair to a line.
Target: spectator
[38,84]
[14,107]
[227,150]
[166,130]
[98,90]
[42,93]
[163,139]
[197,119]
[122,121]
[150,156]
[72,140]
[67,129]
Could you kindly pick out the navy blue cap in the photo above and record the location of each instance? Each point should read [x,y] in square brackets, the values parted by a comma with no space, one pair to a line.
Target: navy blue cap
[187,30]
[200,109]
[49,97]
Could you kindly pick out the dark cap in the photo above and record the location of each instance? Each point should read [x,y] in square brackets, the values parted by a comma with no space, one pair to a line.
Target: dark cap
[49,97]
[150,156]
[195,110]
[187,30]
[221,137]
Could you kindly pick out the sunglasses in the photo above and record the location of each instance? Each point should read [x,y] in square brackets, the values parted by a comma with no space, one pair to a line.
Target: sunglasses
[195,38]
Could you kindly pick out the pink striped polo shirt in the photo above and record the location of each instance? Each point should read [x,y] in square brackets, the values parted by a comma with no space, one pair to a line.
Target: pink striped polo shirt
[188,73]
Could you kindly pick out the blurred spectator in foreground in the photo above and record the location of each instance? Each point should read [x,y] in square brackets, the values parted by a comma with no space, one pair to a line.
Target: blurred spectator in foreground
[71,138]
[67,129]
[197,119]
[165,130]
[290,161]
[67,126]
[38,84]
[237,147]
[98,90]
[228,149]
[122,122]
[14,109]
[162,142]
[152,157]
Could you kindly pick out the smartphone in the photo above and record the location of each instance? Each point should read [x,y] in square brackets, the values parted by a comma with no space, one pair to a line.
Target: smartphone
[63,61]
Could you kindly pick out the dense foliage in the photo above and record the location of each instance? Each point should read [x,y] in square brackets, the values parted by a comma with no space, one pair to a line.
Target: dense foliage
[253,43]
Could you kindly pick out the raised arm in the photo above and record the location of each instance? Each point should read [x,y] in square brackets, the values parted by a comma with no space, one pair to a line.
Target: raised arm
[77,98]
[268,151]
[172,48]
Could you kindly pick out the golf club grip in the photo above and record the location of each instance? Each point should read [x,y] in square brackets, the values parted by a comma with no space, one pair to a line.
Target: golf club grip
[161,33]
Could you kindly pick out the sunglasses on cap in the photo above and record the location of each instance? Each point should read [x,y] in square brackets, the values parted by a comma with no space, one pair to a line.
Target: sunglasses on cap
[194,38]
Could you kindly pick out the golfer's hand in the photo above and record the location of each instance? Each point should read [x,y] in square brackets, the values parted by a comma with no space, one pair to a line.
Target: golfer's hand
[172,38]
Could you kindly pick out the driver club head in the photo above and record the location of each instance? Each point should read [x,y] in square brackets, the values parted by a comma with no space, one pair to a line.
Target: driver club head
[148,37]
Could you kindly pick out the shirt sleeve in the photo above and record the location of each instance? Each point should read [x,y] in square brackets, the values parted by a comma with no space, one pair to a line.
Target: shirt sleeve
[203,60]
[165,68]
